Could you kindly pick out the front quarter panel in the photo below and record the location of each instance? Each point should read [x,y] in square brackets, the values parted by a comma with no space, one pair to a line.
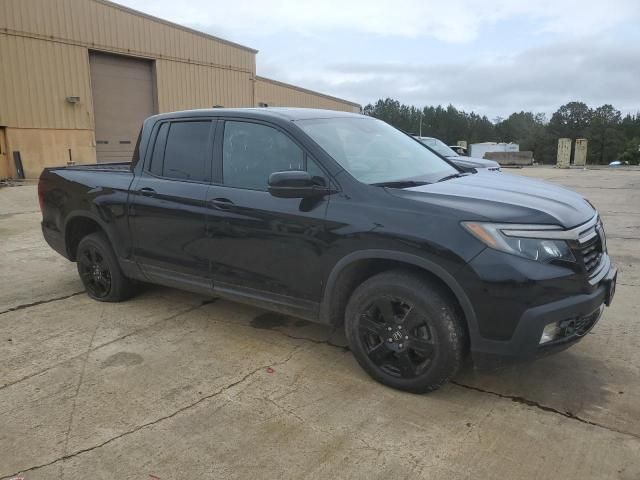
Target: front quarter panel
[383,222]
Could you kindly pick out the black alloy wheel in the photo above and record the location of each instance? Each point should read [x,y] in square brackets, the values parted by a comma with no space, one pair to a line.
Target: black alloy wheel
[100,271]
[397,336]
[94,271]
[406,330]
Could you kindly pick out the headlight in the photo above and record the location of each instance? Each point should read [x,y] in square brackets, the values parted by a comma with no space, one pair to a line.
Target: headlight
[499,237]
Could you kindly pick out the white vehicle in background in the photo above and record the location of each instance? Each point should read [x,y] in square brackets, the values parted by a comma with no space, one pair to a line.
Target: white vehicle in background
[465,163]
[459,149]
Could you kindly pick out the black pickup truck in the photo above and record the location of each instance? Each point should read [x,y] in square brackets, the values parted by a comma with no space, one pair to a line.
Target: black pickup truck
[341,219]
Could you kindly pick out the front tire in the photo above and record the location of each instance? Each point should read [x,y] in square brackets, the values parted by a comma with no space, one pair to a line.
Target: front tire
[405,331]
[99,270]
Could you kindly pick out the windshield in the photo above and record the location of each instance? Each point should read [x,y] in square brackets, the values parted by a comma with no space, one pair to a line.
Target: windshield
[439,146]
[375,152]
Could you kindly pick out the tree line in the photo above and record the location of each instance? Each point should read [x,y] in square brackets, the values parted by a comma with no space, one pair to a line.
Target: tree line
[611,136]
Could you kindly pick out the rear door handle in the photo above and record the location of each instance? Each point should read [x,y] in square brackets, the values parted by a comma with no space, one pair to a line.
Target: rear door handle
[147,192]
[221,203]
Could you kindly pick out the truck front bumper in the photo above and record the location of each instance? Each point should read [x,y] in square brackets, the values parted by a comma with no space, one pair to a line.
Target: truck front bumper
[570,318]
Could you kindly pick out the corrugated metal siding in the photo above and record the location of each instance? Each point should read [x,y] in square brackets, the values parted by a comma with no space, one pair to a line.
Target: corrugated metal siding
[184,86]
[44,48]
[101,25]
[36,78]
[44,58]
[278,94]
[123,96]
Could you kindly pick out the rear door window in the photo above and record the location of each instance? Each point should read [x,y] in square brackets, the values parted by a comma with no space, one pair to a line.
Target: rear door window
[157,157]
[182,151]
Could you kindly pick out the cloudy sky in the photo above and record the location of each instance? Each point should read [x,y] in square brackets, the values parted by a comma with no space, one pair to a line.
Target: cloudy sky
[490,56]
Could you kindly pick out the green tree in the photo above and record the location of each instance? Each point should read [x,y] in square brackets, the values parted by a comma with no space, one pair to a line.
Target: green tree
[630,126]
[606,139]
[529,130]
[631,151]
[610,135]
[571,120]
[446,123]
[404,117]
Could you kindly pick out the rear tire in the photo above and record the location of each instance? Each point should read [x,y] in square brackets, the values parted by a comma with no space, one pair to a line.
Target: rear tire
[99,270]
[405,331]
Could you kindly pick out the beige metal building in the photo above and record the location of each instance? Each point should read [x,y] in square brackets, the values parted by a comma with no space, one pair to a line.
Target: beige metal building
[77,77]
[272,93]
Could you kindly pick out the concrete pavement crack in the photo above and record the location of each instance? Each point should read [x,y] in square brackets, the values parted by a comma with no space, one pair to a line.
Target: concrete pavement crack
[317,428]
[313,340]
[158,420]
[5,216]
[122,337]
[77,392]
[40,302]
[614,212]
[544,408]
[326,341]
[594,187]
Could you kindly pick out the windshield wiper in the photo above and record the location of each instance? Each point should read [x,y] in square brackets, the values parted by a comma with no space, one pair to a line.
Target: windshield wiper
[453,175]
[400,184]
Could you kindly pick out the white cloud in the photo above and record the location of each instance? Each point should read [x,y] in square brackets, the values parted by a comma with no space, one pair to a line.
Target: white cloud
[541,53]
[539,79]
[452,21]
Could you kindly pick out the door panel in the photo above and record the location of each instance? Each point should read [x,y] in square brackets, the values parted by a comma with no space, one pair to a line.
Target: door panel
[168,228]
[122,91]
[260,244]
[167,205]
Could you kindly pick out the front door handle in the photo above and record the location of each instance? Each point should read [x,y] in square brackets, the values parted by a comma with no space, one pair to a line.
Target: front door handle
[221,203]
[147,192]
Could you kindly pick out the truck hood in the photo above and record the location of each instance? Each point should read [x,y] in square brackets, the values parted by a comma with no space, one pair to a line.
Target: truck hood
[474,162]
[504,198]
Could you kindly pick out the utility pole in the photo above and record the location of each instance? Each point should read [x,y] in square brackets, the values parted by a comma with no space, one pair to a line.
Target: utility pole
[421,112]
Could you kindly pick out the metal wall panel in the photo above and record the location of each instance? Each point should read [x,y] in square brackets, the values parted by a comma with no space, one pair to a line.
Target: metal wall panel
[37,77]
[5,171]
[278,94]
[184,86]
[48,147]
[101,25]
[122,98]
[44,51]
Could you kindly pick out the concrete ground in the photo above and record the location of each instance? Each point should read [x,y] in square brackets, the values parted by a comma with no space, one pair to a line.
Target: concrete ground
[173,385]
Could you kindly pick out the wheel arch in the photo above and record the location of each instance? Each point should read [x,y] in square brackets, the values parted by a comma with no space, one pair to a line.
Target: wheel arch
[346,275]
[79,225]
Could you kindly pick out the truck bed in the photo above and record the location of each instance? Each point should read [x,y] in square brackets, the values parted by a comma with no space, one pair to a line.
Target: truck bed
[98,167]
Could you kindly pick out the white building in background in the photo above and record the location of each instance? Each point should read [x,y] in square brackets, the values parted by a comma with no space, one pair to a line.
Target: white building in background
[479,149]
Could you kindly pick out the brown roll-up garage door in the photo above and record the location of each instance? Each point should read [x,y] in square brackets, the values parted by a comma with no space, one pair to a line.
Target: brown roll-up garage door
[122,89]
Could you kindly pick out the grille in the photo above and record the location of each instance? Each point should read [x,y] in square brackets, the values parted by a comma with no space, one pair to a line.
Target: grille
[579,326]
[591,253]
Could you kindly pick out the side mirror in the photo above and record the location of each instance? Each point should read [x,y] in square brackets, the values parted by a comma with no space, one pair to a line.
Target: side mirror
[295,184]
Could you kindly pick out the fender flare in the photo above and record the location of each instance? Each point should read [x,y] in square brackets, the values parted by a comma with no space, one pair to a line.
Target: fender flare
[88,215]
[417,261]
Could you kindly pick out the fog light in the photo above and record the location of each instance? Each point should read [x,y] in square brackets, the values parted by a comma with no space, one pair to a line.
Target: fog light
[550,332]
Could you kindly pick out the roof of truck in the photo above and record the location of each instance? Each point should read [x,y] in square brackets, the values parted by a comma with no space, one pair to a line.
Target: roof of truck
[284,113]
